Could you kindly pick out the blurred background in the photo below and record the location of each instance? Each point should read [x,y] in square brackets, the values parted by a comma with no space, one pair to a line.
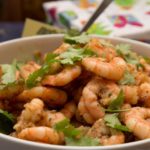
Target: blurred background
[125,18]
[18,10]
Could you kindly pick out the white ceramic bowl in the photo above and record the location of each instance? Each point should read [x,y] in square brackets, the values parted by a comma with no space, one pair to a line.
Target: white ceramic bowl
[22,49]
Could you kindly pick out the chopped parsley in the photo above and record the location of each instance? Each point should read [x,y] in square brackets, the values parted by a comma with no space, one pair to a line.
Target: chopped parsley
[112,121]
[128,79]
[81,39]
[130,57]
[73,136]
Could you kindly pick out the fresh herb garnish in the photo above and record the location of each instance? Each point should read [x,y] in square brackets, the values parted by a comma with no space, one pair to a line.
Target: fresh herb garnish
[130,57]
[82,39]
[128,79]
[72,55]
[69,57]
[112,121]
[117,103]
[73,135]
[36,76]
[68,129]
[6,122]
[8,73]
[106,43]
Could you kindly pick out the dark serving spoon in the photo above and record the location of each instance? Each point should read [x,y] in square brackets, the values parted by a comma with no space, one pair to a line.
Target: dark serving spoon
[96,14]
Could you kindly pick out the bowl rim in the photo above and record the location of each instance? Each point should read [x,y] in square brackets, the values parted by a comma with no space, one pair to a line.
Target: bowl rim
[36,37]
[58,147]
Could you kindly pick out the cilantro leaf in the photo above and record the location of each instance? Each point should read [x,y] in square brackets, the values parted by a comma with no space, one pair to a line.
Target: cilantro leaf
[9,73]
[72,55]
[73,136]
[129,56]
[147,59]
[106,43]
[65,127]
[6,122]
[83,141]
[128,79]
[123,49]
[116,111]
[82,39]
[36,76]
[68,57]
[112,121]
[116,103]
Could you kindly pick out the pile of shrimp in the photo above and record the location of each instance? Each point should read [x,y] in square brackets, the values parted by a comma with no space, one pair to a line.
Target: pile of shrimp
[81,92]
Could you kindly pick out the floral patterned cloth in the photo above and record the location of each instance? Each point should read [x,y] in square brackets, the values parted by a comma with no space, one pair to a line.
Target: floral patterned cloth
[125,18]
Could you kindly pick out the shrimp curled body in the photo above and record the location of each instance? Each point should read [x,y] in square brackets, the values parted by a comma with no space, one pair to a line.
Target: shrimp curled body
[112,70]
[41,134]
[52,96]
[69,109]
[30,115]
[135,120]
[90,98]
[106,135]
[64,77]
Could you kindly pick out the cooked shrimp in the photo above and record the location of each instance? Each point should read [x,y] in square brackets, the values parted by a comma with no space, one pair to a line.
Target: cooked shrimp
[106,135]
[112,70]
[28,68]
[52,96]
[69,109]
[131,94]
[109,91]
[135,120]
[145,65]
[144,92]
[62,48]
[50,118]
[9,92]
[64,77]
[30,115]
[141,77]
[90,97]
[41,134]
[101,50]
[83,112]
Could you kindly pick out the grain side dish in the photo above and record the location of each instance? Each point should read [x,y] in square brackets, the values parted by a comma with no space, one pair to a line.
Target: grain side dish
[87,92]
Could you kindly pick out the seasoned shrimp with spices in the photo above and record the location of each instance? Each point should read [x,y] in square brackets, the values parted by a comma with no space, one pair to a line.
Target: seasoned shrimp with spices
[51,96]
[28,68]
[30,115]
[144,93]
[69,109]
[109,91]
[136,120]
[112,70]
[106,135]
[101,50]
[83,114]
[50,118]
[62,48]
[131,94]
[41,134]
[90,98]
[62,78]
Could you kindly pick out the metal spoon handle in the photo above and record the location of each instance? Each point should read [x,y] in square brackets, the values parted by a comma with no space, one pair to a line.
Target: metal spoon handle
[97,13]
